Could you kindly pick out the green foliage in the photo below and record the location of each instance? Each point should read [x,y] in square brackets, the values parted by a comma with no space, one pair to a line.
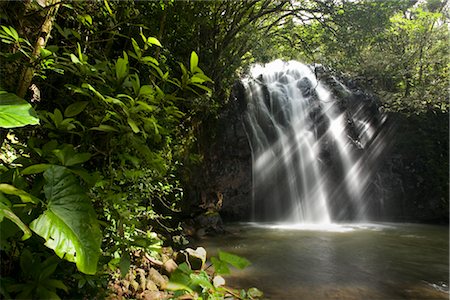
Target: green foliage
[69,224]
[116,119]
[6,212]
[234,260]
[203,285]
[122,97]
[38,278]
[395,48]
[15,111]
[11,190]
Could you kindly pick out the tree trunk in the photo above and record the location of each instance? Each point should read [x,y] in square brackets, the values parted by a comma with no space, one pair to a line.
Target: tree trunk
[44,34]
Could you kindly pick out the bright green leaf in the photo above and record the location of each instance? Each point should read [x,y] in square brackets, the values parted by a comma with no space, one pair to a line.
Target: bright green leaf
[150,59]
[194,61]
[202,280]
[234,260]
[11,190]
[136,48]
[45,53]
[88,19]
[195,79]
[133,125]
[146,90]
[16,112]
[108,8]
[74,59]
[220,267]
[69,224]
[153,41]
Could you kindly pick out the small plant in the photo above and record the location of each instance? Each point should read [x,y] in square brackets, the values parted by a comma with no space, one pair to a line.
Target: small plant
[37,278]
[188,283]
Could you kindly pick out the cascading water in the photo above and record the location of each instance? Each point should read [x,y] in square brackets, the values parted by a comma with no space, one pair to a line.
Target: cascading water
[296,127]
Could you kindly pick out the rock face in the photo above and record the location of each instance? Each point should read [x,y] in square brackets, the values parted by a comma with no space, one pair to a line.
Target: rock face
[412,181]
[223,183]
[401,185]
[228,165]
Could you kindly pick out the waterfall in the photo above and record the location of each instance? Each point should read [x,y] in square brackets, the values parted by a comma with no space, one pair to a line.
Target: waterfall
[306,148]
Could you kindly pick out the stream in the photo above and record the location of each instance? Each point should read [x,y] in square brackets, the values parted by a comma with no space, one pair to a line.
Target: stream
[354,261]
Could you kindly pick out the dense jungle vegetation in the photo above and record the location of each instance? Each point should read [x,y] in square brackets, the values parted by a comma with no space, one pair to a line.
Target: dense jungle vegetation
[107,107]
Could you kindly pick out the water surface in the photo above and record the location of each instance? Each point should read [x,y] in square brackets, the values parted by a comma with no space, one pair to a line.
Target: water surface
[366,261]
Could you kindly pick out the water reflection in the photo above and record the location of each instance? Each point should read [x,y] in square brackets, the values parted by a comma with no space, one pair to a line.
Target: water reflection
[347,261]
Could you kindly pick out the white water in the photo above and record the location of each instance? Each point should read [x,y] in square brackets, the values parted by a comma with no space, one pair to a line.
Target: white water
[289,179]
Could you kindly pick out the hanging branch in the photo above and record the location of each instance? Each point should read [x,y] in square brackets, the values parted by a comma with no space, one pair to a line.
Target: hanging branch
[44,34]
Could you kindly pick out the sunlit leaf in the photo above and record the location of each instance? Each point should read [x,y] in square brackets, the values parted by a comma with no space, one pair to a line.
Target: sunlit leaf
[194,61]
[234,260]
[136,48]
[12,190]
[45,53]
[16,112]
[220,267]
[69,224]
[146,90]
[74,59]
[108,8]
[202,280]
[153,41]
[150,59]
[133,125]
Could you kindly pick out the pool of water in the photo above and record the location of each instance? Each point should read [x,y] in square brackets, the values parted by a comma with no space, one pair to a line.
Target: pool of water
[363,261]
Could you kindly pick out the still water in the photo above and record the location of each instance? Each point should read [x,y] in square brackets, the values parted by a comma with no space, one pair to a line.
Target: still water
[365,261]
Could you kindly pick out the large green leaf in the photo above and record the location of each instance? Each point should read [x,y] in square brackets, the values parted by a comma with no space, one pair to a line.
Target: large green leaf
[69,224]
[16,112]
